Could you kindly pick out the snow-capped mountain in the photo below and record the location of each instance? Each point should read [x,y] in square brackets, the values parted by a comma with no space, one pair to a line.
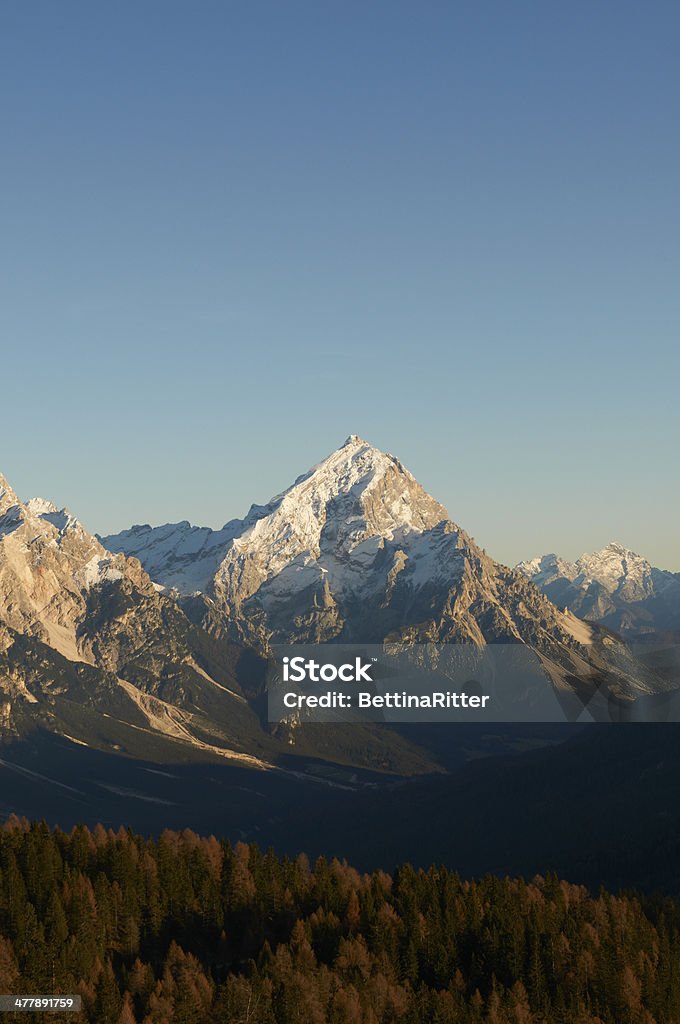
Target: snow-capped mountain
[614,586]
[290,526]
[357,551]
[341,533]
[91,650]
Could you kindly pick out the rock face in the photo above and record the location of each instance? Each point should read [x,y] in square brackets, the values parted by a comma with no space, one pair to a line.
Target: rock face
[85,635]
[614,586]
[49,565]
[357,551]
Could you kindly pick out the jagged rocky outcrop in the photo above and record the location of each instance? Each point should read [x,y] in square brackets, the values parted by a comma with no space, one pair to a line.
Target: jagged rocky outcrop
[84,632]
[48,566]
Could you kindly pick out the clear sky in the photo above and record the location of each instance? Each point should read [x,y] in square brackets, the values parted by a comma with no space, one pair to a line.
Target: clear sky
[233,233]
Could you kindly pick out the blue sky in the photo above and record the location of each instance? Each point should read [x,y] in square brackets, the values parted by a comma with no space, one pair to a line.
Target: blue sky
[233,233]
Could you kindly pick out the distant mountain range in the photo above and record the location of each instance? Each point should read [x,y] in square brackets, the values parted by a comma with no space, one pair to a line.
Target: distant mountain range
[156,637]
[151,642]
[132,682]
[614,586]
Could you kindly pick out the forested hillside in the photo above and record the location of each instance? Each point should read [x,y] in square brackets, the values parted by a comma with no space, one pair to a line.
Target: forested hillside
[191,930]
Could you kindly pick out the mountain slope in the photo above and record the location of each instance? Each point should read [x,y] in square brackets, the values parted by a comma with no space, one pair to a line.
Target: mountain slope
[48,566]
[84,633]
[613,586]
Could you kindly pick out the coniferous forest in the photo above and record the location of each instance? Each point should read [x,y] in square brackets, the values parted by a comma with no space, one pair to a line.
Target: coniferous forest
[188,930]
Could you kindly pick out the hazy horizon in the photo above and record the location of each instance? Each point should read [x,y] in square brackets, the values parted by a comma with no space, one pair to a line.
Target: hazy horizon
[234,235]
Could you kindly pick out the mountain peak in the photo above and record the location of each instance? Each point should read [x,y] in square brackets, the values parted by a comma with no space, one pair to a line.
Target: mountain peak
[42,507]
[612,554]
[356,497]
[60,518]
[610,566]
[545,567]
[614,548]
[325,523]
[35,508]
[361,480]
[48,566]
[7,495]
[614,585]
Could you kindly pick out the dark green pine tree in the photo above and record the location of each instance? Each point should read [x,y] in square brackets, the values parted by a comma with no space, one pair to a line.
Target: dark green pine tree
[108,1001]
